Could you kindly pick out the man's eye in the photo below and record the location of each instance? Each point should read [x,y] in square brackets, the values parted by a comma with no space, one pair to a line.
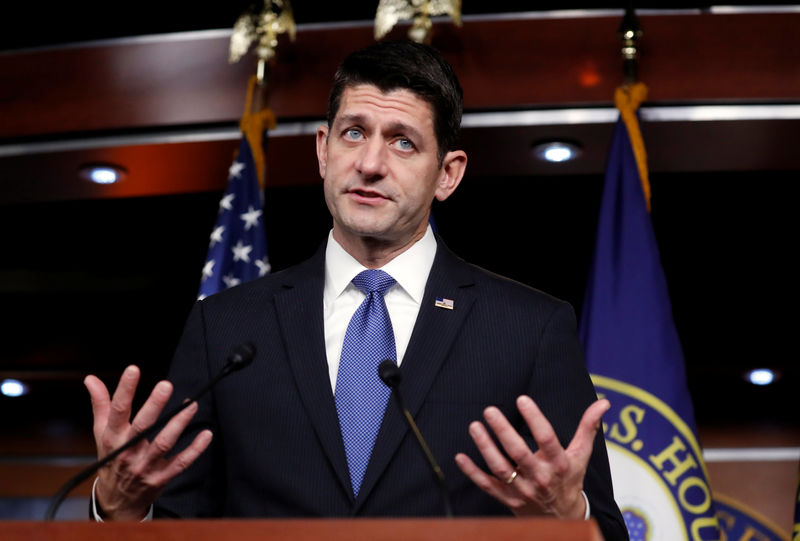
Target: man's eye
[352,134]
[404,144]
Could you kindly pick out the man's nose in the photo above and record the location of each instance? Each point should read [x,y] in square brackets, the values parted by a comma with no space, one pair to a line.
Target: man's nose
[372,159]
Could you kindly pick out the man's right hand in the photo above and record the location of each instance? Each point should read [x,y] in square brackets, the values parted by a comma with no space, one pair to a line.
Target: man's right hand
[128,485]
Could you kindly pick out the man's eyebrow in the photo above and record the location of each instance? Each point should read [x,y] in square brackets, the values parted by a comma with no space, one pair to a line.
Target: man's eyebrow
[406,129]
[351,118]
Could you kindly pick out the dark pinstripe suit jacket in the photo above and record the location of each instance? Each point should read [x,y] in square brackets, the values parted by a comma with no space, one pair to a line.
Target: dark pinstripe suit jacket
[277,450]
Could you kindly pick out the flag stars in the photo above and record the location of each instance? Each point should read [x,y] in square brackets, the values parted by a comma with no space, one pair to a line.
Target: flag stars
[226,203]
[237,243]
[208,269]
[216,235]
[230,280]
[241,252]
[235,170]
[263,266]
[250,217]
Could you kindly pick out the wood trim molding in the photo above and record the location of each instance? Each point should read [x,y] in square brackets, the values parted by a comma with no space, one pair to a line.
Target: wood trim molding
[503,64]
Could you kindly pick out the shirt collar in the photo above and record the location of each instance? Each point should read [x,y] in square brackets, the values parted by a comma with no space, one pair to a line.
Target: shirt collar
[410,269]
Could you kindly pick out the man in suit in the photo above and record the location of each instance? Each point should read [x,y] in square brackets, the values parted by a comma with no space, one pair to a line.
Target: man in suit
[469,343]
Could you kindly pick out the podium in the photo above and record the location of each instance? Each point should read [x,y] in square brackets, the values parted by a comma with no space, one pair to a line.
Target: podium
[466,529]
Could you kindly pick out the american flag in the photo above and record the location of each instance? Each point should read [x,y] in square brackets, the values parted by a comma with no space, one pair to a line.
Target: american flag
[237,251]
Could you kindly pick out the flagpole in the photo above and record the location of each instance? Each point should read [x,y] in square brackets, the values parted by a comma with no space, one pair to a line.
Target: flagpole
[237,250]
[630,95]
[630,32]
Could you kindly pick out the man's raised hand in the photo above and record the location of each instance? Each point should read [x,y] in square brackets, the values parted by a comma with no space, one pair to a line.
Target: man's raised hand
[547,481]
[129,484]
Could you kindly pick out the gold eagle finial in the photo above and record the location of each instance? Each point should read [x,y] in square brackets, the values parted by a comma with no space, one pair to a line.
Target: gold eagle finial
[262,27]
[391,11]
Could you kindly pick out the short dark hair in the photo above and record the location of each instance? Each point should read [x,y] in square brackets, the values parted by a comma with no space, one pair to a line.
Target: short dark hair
[392,65]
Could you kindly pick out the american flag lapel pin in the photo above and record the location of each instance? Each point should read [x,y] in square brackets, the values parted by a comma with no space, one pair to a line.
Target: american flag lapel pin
[444,303]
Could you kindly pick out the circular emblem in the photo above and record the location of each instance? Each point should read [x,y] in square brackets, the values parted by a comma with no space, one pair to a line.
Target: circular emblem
[660,481]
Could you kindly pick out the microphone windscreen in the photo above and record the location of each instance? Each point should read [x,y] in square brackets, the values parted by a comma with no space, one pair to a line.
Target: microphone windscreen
[242,355]
[389,373]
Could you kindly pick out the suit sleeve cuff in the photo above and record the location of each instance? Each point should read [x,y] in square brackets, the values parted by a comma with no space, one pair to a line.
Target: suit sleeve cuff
[96,515]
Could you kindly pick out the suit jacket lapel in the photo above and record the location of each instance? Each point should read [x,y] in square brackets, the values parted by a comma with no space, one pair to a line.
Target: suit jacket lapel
[434,332]
[299,308]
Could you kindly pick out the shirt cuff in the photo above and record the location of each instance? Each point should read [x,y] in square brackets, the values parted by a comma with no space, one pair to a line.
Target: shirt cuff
[96,514]
[586,499]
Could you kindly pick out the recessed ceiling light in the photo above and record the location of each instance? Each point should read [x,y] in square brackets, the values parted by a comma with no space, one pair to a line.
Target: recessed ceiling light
[556,151]
[102,173]
[13,388]
[761,376]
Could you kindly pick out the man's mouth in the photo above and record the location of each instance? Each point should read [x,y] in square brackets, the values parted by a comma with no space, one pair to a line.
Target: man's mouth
[366,195]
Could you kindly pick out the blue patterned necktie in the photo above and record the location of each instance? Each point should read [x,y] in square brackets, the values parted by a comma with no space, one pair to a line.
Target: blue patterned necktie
[361,396]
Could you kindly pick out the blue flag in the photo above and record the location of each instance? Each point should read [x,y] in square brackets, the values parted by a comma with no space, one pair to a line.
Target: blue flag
[635,358]
[237,251]
[738,521]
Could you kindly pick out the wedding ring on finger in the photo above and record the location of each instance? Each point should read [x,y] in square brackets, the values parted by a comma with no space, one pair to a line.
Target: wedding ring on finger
[512,477]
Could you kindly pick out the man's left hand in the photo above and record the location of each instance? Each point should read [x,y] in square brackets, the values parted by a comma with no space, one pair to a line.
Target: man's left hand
[547,481]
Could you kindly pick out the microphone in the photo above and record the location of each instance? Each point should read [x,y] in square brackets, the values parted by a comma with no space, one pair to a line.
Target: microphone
[390,374]
[241,356]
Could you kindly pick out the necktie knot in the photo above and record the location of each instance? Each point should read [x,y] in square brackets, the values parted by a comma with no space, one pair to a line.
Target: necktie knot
[373,281]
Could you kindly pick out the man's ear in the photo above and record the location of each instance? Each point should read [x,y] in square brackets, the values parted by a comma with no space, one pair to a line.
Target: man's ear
[453,167]
[322,149]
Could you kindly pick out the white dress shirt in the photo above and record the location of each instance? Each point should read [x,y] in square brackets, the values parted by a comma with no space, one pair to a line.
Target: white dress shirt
[341,298]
